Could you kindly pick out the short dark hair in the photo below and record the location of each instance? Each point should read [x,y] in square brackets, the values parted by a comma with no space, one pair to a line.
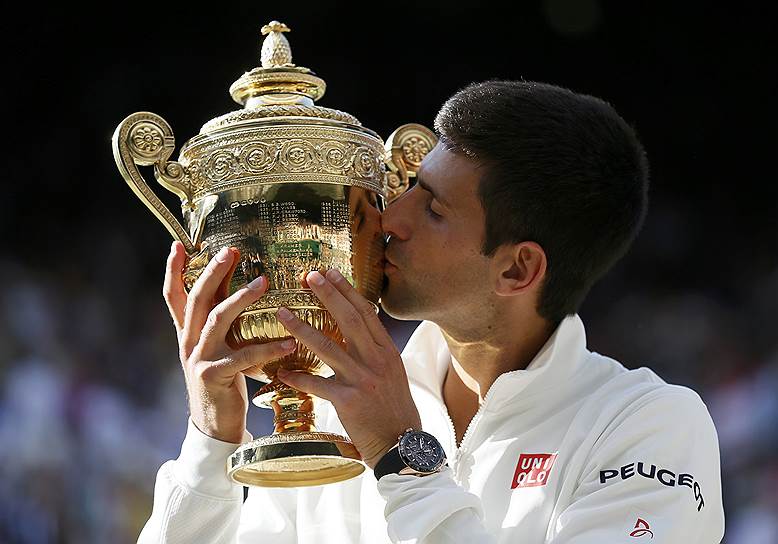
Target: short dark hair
[561,169]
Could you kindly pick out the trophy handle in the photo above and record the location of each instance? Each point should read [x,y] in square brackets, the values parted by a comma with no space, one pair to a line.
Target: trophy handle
[405,149]
[145,139]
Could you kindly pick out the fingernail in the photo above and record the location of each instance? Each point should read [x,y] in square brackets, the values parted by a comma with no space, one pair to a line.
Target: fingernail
[334,275]
[284,314]
[288,344]
[256,283]
[222,255]
[173,247]
[315,278]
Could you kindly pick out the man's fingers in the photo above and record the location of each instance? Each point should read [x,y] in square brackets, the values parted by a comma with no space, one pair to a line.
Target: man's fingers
[362,306]
[350,322]
[223,314]
[224,370]
[319,343]
[200,300]
[325,388]
[173,287]
[224,287]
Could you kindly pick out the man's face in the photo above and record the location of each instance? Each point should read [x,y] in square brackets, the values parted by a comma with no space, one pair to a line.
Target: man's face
[436,231]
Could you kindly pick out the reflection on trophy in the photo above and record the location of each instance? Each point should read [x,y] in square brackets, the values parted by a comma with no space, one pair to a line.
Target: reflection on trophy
[295,187]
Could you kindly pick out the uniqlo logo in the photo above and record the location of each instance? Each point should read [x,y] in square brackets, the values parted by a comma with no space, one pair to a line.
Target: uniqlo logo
[533,469]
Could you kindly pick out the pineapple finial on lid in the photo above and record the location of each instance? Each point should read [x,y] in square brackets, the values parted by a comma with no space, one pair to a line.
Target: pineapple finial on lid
[275,48]
[277,81]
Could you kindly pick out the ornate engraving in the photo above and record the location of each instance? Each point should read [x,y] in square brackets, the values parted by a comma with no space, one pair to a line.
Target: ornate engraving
[291,415]
[174,170]
[276,154]
[395,185]
[298,156]
[405,148]
[295,298]
[365,162]
[298,437]
[202,144]
[335,156]
[197,179]
[415,149]
[147,139]
[279,110]
[259,157]
[221,165]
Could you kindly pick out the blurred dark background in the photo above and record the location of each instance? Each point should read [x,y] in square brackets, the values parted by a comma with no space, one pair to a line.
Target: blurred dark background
[92,400]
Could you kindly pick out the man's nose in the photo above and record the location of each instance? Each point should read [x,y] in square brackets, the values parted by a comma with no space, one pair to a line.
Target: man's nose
[394,220]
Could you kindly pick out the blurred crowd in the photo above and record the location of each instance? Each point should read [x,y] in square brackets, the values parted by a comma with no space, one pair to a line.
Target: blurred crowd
[92,399]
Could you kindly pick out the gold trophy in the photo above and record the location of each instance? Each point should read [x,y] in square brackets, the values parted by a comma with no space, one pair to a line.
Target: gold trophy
[295,187]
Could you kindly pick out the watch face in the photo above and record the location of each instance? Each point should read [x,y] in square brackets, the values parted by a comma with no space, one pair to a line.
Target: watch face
[421,451]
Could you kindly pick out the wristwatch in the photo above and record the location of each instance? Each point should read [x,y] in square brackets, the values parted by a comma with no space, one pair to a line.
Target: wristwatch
[417,453]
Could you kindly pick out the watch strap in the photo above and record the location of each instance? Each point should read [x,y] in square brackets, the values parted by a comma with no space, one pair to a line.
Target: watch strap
[390,463]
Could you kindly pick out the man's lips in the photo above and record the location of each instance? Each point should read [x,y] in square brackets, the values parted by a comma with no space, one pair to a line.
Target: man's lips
[389,264]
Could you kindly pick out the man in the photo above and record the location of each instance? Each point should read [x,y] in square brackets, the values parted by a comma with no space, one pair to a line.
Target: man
[531,195]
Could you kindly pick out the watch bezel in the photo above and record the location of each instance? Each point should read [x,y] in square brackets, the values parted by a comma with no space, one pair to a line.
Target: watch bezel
[401,449]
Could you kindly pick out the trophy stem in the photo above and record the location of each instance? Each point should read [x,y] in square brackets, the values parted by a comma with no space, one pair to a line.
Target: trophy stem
[293,411]
[296,454]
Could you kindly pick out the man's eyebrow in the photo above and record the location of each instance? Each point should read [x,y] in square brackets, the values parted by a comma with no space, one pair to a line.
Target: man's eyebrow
[426,187]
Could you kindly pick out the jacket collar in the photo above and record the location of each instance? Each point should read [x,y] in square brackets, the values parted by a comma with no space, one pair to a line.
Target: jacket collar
[427,359]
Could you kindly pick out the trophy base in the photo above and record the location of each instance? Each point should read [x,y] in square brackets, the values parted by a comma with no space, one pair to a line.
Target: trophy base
[295,459]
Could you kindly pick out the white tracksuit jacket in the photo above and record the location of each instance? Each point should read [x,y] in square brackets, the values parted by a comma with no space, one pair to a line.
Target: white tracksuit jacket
[574,449]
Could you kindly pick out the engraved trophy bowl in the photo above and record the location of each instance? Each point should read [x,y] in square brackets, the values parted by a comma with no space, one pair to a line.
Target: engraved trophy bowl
[295,187]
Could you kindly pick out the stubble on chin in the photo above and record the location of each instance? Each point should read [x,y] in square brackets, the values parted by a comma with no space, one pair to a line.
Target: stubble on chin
[401,302]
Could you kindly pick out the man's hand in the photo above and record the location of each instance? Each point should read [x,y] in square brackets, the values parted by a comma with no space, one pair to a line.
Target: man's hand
[370,388]
[215,383]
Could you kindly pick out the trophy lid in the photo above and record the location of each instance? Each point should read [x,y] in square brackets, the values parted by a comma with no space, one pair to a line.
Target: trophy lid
[280,136]
[278,88]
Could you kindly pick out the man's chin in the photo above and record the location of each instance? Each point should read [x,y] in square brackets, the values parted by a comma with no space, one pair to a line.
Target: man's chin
[399,316]
[400,310]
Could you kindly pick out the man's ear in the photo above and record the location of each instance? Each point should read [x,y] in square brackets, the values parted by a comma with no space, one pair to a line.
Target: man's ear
[518,268]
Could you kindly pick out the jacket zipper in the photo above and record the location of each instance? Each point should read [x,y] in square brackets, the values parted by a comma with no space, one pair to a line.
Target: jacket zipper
[453,434]
[469,431]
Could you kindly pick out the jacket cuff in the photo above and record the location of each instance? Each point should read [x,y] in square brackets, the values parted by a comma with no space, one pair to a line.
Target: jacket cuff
[398,489]
[202,464]
[417,506]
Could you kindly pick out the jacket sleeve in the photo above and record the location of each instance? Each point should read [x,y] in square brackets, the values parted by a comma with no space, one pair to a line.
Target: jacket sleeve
[653,474]
[195,500]
[431,509]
